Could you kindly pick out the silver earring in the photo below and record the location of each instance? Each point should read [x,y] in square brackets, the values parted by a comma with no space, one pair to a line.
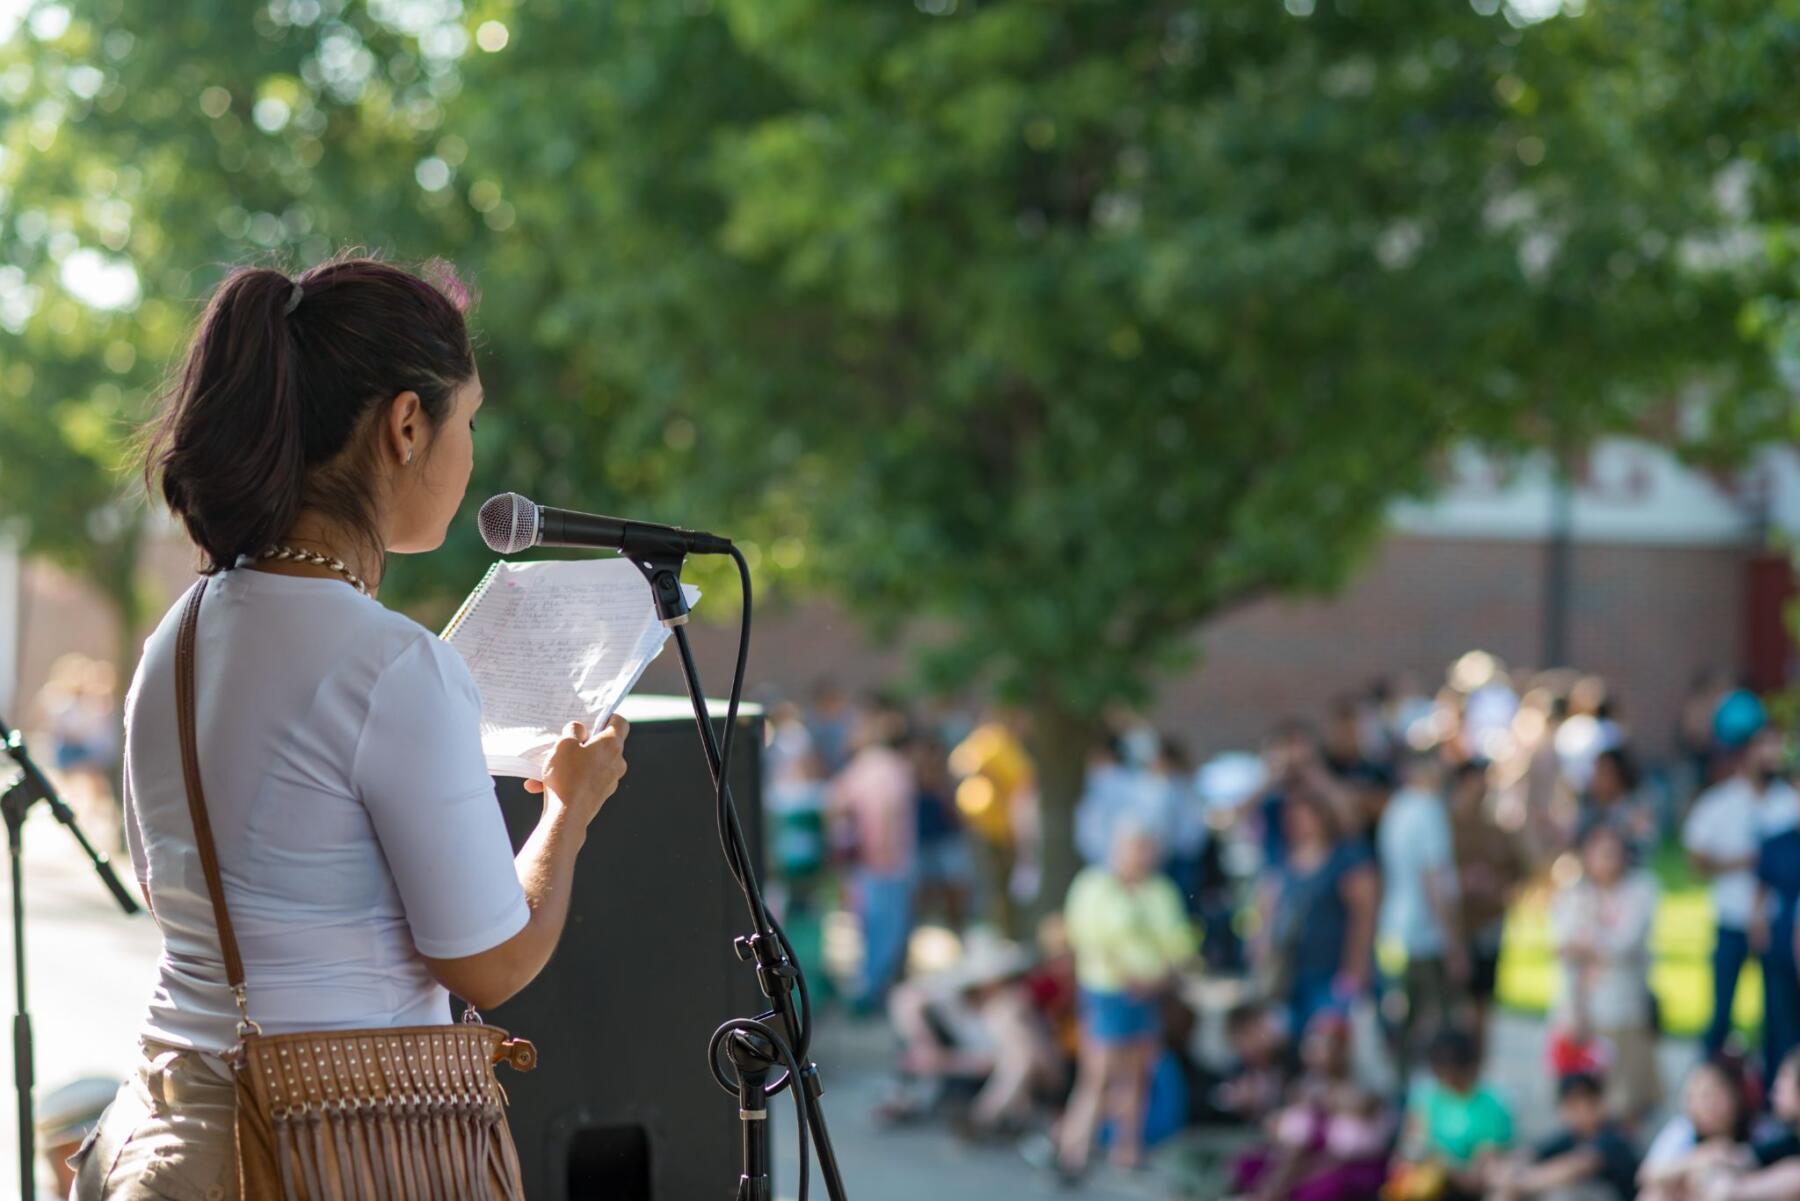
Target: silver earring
[409,458]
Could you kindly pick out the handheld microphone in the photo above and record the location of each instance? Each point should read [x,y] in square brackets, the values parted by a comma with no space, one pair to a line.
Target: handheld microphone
[510,523]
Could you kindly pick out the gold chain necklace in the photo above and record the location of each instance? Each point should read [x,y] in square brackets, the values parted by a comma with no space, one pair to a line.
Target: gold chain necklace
[318,560]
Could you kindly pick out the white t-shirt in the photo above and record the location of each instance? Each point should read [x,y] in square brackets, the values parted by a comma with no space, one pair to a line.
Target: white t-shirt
[1116,795]
[1729,821]
[1414,839]
[356,825]
[1672,1142]
[1614,923]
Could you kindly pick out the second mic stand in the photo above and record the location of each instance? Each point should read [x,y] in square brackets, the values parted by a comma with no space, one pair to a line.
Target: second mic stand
[31,787]
[753,1048]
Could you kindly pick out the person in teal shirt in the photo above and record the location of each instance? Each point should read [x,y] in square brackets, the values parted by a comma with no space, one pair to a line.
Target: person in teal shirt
[1453,1122]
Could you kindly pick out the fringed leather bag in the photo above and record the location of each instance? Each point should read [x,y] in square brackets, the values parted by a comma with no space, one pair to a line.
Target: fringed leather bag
[411,1113]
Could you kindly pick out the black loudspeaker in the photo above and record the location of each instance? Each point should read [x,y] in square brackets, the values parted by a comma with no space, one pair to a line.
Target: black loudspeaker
[622,1106]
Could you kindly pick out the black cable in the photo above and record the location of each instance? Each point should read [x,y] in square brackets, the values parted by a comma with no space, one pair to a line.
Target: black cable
[731,834]
[738,862]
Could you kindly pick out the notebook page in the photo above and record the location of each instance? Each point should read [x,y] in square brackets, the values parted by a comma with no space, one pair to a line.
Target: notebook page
[552,643]
[471,601]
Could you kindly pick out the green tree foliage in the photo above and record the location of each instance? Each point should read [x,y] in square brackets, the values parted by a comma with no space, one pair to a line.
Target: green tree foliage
[143,149]
[1051,327]
[1070,325]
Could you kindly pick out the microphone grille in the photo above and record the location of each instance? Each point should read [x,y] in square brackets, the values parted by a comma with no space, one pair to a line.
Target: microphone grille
[509,523]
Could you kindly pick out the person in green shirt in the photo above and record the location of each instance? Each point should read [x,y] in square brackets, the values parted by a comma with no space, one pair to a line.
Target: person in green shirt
[1454,1124]
[1129,931]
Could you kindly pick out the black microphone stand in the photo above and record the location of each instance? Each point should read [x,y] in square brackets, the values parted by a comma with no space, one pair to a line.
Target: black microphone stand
[30,787]
[780,1037]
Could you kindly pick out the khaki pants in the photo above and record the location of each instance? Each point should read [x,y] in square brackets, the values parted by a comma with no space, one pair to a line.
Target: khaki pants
[167,1136]
[1633,1085]
[1424,1010]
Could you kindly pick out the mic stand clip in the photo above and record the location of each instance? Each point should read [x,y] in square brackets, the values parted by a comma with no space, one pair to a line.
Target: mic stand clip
[663,570]
[775,972]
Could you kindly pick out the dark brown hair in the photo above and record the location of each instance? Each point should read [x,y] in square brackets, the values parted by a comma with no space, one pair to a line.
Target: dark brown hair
[1305,796]
[273,408]
[1730,1071]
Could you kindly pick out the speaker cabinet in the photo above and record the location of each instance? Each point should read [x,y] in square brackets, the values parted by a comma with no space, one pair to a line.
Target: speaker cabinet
[622,1106]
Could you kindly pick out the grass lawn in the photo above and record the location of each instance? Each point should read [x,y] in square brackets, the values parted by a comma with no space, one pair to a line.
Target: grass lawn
[1681,942]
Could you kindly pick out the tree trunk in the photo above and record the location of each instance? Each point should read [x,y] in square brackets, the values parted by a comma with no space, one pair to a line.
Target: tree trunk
[1059,744]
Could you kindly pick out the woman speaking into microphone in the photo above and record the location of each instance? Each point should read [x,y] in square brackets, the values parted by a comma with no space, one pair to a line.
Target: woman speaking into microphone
[307,805]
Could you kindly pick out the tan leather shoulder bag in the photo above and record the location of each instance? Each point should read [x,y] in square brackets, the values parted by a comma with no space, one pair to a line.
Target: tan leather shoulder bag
[410,1113]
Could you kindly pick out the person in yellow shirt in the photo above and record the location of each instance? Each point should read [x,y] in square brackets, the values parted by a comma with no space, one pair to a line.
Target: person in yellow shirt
[1130,932]
[995,773]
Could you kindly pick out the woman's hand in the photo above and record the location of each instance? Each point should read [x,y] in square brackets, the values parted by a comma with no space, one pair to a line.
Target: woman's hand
[582,772]
[579,776]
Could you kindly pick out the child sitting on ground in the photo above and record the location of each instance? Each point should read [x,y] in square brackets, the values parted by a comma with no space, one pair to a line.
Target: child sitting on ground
[1706,1143]
[1773,1171]
[971,1043]
[1266,1063]
[1233,1099]
[1330,1141]
[1455,1127]
[1589,1159]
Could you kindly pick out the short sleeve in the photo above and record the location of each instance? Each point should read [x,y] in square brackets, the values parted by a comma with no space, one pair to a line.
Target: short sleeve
[1620,1160]
[1503,1122]
[1390,840]
[1555,1147]
[1775,1150]
[1696,832]
[1437,850]
[1353,855]
[1360,854]
[1082,908]
[420,773]
[1674,1140]
[1174,932]
[1778,862]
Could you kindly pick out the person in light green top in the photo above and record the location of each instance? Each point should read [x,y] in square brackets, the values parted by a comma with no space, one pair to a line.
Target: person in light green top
[1129,931]
[1453,1122]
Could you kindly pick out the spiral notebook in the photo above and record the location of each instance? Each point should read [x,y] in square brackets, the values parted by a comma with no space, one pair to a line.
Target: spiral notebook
[550,643]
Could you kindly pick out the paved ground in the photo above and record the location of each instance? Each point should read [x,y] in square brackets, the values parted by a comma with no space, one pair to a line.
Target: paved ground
[90,971]
[884,1164]
[915,1163]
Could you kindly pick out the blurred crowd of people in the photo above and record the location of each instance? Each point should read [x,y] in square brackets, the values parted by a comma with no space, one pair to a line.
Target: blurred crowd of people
[78,710]
[1300,945]
[1335,907]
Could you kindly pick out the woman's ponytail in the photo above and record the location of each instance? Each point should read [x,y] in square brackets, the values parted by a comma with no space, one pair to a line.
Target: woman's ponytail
[277,383]
[230,449]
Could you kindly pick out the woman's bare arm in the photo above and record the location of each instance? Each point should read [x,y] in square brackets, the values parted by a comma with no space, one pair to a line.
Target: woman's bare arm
[580,776]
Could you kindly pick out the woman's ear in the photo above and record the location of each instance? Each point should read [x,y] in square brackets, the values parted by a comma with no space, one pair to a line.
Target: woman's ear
[405,432]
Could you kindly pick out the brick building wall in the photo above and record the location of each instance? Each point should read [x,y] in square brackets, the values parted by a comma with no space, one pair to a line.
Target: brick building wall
[1646,617]
[60,613]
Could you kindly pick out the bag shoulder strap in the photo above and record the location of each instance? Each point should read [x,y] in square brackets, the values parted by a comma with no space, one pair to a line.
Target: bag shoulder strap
[196,797]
